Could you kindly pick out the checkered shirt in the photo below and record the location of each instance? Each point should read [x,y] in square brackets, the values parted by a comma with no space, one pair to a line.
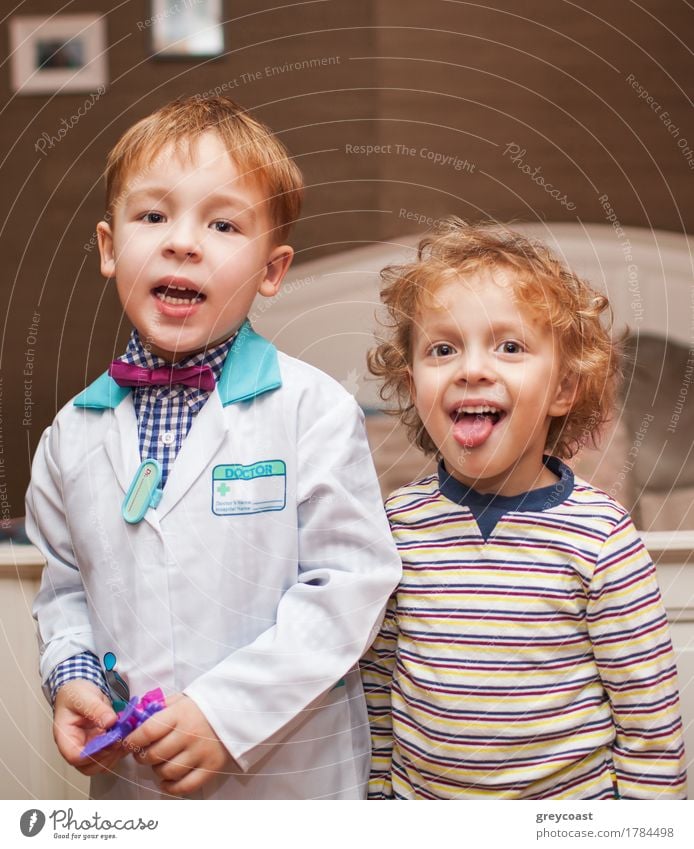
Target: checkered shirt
[165,413]
[164,417]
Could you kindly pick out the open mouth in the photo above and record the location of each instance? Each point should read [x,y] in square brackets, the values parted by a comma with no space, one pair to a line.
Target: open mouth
[473,424]
[470,414]
[178,295]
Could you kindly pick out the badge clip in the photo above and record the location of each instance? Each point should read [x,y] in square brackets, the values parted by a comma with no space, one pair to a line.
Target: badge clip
[143,493]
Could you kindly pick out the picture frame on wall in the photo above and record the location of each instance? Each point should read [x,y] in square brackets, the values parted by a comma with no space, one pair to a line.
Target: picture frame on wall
[186,29]
[59,54]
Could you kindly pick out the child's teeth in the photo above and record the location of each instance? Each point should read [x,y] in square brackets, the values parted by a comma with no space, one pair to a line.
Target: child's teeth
[169,299]
[477,410]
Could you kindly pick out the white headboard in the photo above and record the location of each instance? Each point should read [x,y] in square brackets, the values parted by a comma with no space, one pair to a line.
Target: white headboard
[324,313]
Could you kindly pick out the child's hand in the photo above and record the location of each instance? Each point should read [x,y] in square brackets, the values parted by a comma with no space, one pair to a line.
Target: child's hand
[180,745]
[82,712]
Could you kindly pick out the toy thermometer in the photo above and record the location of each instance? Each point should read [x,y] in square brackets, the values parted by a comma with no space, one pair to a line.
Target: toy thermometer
[143,493]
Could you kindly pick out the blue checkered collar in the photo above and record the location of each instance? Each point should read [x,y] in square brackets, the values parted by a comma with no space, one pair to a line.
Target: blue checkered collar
[249,368]
[138,355]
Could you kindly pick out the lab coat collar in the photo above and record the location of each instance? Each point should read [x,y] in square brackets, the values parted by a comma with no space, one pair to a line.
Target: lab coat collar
[194,458]
[251,368]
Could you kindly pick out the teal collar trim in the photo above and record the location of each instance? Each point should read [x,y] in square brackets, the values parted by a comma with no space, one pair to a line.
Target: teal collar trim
[103,394]
[251,368]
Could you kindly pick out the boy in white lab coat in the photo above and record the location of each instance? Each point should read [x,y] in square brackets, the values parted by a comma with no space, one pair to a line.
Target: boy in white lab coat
[208,508]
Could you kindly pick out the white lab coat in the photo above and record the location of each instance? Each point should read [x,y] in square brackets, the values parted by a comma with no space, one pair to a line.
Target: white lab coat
[252,594]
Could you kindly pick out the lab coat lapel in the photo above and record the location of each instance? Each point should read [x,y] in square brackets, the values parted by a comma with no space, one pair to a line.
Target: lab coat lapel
[121,443]
[251,369]
[206,435]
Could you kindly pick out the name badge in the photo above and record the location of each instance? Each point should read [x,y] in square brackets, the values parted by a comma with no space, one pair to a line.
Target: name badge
[257,488]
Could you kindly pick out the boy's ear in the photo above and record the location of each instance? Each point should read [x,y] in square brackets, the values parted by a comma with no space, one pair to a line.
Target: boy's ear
[105,240]
[277,265]
[565,395]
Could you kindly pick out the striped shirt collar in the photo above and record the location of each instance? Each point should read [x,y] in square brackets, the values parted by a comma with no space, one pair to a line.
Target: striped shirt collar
[543,498]
[488,508]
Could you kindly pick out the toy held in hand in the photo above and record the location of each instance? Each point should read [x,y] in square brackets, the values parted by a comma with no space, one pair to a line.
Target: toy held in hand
[130,718]
[120,693]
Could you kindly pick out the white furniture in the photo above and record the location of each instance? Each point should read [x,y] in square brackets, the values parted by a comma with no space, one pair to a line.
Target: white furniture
[324,312]
[31,766]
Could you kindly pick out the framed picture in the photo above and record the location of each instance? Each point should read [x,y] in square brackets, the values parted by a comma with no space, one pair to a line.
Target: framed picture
[186,29]
[60,54]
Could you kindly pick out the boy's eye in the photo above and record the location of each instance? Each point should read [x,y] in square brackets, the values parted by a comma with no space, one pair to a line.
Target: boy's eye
[152,217]
[510,347]
[442,349]
[223,226]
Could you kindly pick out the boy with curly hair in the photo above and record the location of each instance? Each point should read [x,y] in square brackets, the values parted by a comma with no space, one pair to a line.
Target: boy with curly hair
[525,654]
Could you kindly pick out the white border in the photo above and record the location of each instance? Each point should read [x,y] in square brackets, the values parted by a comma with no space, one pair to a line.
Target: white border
[26,78]
[200,15]
[352,825]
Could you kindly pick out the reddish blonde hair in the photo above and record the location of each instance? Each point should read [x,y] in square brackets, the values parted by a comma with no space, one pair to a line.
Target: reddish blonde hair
[569,305]
[252,146]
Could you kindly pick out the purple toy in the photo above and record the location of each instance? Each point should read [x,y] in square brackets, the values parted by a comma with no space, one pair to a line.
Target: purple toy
[128,720]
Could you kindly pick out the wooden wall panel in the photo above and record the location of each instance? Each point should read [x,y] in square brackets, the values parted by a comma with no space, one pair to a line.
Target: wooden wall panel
[548,86]
[463,80]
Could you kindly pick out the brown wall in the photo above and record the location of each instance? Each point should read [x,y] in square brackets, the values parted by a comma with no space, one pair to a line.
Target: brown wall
[553,80]
[456,79]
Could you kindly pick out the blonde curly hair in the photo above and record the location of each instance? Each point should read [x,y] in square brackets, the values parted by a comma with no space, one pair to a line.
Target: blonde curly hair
[580,318]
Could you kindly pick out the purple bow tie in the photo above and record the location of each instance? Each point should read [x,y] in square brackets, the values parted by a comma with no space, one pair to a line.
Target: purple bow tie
[125,374]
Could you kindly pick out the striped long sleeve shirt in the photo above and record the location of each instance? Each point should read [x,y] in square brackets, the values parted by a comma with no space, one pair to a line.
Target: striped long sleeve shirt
[526,653]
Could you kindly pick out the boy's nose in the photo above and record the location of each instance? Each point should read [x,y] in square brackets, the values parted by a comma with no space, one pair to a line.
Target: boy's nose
[475,367]
[182,243]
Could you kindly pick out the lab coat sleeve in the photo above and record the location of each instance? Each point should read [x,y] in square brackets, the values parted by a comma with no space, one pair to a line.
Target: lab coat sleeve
[60,608]
[325,621]
[377,670]
[631,644]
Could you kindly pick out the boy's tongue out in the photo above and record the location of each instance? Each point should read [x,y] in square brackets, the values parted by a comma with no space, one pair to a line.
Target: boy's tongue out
[473,429]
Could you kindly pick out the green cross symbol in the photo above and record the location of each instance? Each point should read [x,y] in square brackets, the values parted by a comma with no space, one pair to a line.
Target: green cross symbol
[222,489]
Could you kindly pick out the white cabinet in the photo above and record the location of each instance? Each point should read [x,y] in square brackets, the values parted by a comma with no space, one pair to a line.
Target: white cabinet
[673,552]
[31,767]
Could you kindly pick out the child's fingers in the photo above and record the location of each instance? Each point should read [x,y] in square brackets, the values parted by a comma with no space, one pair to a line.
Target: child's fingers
[83,701]
[150,731]
[166,749]
[176,768]
[110,757]
[103,761]
[78,717]
[92,767]
[100,712]
[69,743]
[191,782]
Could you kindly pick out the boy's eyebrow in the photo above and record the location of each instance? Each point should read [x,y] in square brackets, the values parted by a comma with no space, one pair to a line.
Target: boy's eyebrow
[137,195]
[216,197]
[442,324]
[502,327]
[222,197]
